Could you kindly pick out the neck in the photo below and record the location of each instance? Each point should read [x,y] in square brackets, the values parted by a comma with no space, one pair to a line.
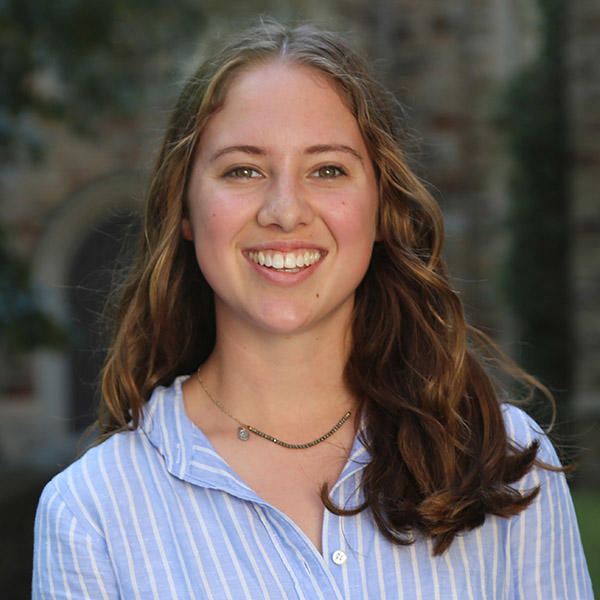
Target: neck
[281,383]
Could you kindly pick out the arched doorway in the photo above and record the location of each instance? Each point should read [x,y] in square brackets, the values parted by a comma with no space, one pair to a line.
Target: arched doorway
[97,265]
[72,269]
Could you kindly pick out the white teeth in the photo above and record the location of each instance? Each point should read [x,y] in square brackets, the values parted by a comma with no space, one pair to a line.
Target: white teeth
[290,260]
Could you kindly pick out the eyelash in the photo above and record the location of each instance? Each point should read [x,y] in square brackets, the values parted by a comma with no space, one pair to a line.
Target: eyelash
[231,173]
[339,170]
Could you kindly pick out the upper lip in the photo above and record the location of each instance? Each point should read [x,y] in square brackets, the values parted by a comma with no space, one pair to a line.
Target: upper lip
[285,246]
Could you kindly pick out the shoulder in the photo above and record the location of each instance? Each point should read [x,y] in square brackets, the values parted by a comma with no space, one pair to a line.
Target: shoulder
[520,427]
[94,486]
[522,431]
[547,556]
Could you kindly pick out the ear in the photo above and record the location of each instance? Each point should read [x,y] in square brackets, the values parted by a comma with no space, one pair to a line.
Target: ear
[186,230]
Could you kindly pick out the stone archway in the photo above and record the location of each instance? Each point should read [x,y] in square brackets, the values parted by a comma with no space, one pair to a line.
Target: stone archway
[101,255]
[71,270]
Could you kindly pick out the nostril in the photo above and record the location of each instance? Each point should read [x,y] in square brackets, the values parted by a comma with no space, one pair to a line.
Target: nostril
[286,209]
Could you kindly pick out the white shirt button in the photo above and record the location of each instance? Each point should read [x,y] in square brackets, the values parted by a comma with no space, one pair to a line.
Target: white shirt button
[339,557]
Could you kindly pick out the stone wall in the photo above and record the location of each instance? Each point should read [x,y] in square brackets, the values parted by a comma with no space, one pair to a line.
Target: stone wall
[447,62]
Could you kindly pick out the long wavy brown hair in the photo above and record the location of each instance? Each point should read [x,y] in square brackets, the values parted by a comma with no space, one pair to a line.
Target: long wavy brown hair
[441,459]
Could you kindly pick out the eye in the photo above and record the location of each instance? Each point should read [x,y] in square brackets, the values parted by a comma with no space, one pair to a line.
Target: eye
[242,173]
[328,172]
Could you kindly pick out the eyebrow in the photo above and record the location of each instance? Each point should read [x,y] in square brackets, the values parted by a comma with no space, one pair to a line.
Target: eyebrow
[317,149]
[239,148]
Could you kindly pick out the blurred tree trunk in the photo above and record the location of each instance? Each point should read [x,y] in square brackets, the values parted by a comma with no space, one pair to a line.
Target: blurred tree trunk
[537,277]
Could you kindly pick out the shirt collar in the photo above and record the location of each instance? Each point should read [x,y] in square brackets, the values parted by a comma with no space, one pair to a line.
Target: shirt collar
[189,454]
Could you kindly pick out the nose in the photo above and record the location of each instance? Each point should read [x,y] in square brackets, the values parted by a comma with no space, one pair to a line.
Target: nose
[285,205]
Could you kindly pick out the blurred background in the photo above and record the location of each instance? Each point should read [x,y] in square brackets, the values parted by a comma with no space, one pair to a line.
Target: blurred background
[502,101]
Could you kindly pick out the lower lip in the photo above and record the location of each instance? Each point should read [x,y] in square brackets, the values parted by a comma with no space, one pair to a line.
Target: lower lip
[284,278]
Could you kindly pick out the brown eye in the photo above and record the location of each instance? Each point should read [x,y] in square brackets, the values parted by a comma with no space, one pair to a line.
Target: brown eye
[329,172]
[243,173]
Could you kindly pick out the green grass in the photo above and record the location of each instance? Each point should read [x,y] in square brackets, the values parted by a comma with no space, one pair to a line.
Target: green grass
[587,507]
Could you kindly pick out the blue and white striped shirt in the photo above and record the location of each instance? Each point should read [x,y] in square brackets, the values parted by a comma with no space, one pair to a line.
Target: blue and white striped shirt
[157,513]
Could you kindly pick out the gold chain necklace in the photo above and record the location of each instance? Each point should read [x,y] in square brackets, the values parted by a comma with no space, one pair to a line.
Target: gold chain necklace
[244,430]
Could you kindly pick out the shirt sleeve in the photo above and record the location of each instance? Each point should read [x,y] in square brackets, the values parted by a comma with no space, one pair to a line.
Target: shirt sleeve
[70,559]
[547,559]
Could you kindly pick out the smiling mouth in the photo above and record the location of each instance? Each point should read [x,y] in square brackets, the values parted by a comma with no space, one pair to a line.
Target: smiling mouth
[286,262]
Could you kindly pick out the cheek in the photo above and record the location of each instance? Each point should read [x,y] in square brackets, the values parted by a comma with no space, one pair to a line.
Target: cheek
[215,217]
[354,221]
[216,221]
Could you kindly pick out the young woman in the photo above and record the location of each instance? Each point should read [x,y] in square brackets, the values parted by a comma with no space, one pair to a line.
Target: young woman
[290,406]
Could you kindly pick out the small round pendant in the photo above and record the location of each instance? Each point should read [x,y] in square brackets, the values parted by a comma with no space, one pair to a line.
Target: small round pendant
[243,434]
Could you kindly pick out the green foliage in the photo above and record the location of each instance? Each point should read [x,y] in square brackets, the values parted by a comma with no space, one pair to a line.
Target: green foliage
[587,505]
[536,271]
[80,59]
[24,326]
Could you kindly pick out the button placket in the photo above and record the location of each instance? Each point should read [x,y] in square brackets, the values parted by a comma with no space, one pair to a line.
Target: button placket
[314,563]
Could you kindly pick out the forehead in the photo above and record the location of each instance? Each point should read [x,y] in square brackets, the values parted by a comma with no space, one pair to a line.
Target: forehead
[285,79]
[282,103]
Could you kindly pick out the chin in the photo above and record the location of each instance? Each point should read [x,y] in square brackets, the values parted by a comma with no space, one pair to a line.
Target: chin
[278,319]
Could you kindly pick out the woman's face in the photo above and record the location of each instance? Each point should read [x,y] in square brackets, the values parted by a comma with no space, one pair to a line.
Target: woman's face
[282,202]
